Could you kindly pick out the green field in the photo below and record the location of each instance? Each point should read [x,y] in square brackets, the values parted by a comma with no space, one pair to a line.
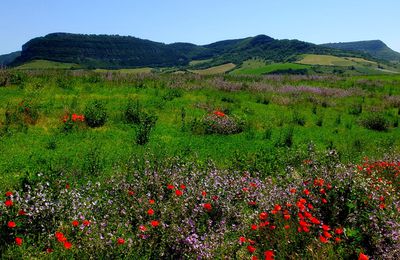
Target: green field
[45,64]
[258,67]
[220,69]
[128,71]
[129,165]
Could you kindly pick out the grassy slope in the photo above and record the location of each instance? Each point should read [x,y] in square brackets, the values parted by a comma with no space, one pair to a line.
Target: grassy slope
[215,70]
[258,67]
[128,71]
[26,153]
[45,64]
[326,60]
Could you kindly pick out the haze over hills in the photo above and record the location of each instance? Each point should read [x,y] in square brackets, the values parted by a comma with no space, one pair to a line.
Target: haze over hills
[375,48]
[110,51]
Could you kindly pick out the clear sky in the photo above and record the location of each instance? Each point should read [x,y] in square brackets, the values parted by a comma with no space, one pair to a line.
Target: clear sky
[203,21]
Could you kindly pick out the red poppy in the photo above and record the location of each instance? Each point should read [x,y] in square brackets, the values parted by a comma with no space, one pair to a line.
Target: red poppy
[277,207]
[327,235]
[21,212]
[324,200]
[120,241]
[60,237]
[219,113]
[67,245]
[254,257]
[292,190]
[326,227]
[182,186]
[251,249]
[272,227]
[207,206]
[67,186]
[151,201]
[75,223]
[131,193]
[323,239]
[362,257]
[254,227]
[9,193]
[242,240]
[203,193]
[215,198]
[18,241]
[287,226]
[86,223]
[382,206]
[170,187]
[269,255]
[337,239]
[254,185]
[178,192]
[8,203]
[49,250]
[306,192]
[150,212]
[11,224]
[154,223]
[339,231]
[286,217]
[263,215]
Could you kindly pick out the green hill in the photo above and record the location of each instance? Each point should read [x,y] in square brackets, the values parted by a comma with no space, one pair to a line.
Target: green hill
[113,51]
[375,48]
[9,58]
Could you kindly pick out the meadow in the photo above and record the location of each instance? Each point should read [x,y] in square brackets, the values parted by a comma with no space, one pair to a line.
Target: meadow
[142,165]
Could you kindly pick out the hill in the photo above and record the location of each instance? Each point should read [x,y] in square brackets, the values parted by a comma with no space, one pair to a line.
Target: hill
[8,58]
[375,48]
[113,51]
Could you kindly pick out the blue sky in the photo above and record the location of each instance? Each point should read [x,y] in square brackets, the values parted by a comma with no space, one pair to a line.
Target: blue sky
[204,21]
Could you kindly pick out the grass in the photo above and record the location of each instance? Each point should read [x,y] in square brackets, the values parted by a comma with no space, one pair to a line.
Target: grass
[46,64]
[258,67]
[197,62]
[128,71]
[220,69]
[325,60]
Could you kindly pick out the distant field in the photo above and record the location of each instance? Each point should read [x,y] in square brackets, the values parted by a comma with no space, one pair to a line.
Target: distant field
[360,60]
[133,71]
[215,70]
[196,62]
[325,60]
[258,67]
[46,64]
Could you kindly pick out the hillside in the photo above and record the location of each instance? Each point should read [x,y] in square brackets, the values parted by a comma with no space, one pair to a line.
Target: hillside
[8,58]
[375,48]
[113,51]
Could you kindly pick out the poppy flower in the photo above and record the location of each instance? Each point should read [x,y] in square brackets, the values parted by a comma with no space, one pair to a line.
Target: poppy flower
[251,249]
[18,241]
[131,193]
[203,193]
[339,231]
[60,237]
[286,217]
[9,193]
[86,223]
[182,186]
[337,239]
[263,215]
[154,223]
[8,203]
[382,206]
[293,191]
[178,193]
[323,239]
[49,250]
[362,257]
[242,240]
[21,212]
[324,200]
[214,198]
[327,235]
[151,201]
[207,206]
[254,185]
[254,257]
[150,212]
[269,255]
[67,245]
[254,227]
[306,192]
[120,241]
[286,226]
[170,187]
[11,224]
[326,227]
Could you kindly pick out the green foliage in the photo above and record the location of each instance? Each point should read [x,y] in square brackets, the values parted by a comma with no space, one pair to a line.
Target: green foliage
[95,114]
[375,121]
[146,124]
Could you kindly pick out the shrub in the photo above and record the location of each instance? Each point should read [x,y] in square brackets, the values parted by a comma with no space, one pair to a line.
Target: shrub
[375,121]
[298,118]
[172,94]
[355,109]
[147,122]
[132,112]
[95,114]
[218,123]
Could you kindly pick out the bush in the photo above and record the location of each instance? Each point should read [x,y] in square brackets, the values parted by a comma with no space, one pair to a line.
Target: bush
[95,114]
[355,109]
[218,123]
[375,121]
[147,122]
[132,112]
